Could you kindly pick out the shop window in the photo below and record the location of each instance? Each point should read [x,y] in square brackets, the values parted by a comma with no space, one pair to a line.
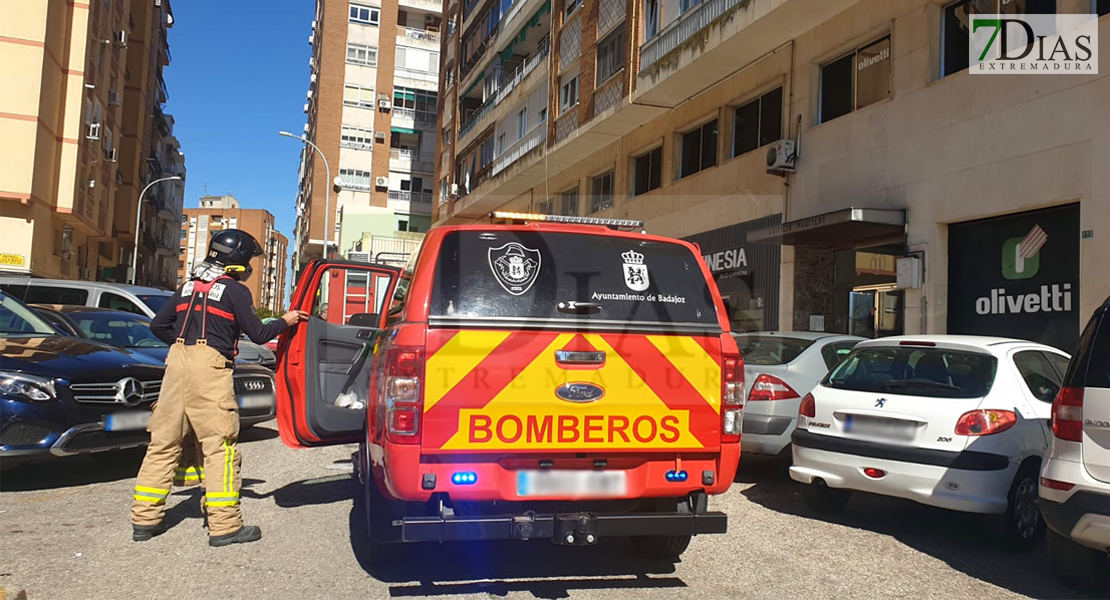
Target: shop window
[699,149]
[601,192]
[856,80]
[610,55]
[757,123]
[568,203]
[647,172]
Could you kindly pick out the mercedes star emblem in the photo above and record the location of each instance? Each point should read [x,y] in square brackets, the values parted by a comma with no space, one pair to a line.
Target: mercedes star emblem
[129,391]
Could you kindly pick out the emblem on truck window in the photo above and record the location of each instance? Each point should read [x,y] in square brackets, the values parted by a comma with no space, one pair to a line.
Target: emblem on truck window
[635,271]
[515,267]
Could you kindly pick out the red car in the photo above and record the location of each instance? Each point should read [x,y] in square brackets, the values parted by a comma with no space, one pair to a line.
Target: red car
[541,380]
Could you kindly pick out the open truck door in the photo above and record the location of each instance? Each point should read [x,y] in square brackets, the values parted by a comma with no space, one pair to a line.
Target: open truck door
[325,363]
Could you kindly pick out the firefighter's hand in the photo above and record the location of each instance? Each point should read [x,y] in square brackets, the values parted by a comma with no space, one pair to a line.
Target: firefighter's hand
[293,317]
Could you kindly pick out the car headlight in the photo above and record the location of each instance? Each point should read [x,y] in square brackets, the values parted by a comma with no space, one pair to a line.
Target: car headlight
[27,386]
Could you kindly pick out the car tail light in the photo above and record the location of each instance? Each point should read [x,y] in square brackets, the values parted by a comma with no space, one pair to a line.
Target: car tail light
[769,387]
[808,408]
[1067,414]
[1052,484]
[985,422]
[403,393]
[732,396]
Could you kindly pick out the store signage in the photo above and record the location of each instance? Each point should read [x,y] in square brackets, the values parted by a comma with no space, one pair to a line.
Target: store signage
[733,259]
[1017,276]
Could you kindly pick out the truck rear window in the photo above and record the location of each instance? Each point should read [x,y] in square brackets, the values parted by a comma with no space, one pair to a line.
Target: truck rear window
[930,372]
[528,274]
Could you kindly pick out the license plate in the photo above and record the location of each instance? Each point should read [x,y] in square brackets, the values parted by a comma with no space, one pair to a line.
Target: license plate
[127,421]
[572,484]
[256,401]
[878,427]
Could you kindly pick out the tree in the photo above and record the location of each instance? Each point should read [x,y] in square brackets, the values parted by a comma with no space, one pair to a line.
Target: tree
[265,313]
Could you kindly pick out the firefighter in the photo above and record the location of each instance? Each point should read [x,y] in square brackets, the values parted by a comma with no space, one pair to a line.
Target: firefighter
[202,322]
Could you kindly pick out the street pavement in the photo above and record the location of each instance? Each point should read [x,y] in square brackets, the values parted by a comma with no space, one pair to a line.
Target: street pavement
[64,534]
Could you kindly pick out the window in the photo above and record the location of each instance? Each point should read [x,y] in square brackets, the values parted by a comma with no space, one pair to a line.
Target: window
[928,372]
[647,172]
[522,123]
[834,353]
[651,18]
[610,55]
[957,18]
[857,80]
[42,294]
[358,54]
[568,94]
[1101,7]
[117,302]
[601,192]
[1042,380]
[365,15]
[699,149]
[500,144]
[354,179]
[568,203]
[543,114]
[356,137]
[686,5]
[757,123]
[402,225]
[358,96]
[572,5]
[771,350]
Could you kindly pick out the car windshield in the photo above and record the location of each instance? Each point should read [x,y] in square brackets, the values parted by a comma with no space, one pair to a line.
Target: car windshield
[16,320]
[915,371]
[155,301]
[770,350]
[124,330]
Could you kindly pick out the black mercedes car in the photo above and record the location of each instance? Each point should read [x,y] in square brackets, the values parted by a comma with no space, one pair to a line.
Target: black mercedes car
[61,395]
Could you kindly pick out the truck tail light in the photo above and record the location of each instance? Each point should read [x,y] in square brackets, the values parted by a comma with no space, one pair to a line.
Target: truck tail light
[732,396]
[985,422]
[403,393]
[769,387]
[808,407]
[1067,414]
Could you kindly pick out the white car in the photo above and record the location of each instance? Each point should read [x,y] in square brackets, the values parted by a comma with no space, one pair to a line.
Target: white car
[1075,479]
[780,368]
[957,422]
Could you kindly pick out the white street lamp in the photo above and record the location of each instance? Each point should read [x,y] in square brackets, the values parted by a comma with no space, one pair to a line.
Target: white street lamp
[138,218]
[327,190]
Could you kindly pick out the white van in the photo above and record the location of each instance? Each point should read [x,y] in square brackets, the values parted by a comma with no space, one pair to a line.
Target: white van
[116,296]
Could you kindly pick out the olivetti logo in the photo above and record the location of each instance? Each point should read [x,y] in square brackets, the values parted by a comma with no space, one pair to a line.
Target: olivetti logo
[1021,256]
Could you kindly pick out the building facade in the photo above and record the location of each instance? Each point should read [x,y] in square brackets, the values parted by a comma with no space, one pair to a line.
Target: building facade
[216,213]
[914,179]
[83,131]
[371,106]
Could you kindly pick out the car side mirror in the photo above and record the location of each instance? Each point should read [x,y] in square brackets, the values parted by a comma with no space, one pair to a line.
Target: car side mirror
[364,320]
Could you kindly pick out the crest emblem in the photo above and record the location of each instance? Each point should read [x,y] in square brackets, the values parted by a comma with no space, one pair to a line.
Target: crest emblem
[635,271]
[515,267]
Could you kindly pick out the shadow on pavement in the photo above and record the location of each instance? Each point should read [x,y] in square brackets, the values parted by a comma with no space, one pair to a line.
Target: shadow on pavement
[101,467]
[964,541]
[258,433]
[498,568]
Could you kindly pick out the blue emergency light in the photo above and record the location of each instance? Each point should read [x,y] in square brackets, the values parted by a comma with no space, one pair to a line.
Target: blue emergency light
[676,476]
[464,478]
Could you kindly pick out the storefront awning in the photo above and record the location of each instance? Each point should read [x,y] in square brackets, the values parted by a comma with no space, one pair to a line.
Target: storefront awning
[848,228]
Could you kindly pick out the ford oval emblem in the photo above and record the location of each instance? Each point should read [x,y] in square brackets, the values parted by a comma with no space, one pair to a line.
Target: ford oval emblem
[579,392]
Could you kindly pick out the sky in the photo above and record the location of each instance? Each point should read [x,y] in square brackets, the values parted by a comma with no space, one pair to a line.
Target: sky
[238,75]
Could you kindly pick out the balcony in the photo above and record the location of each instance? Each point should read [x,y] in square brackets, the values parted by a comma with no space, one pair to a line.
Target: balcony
[414,117]
[409,160]
[505,85]
[431,6]
[412,197]
[418,38]
[717,37]
[524,145]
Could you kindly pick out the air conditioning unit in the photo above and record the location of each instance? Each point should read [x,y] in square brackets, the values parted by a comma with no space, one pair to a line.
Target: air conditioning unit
[311,39]
[312,62]
[381,182]
[314,25]
[92,131]
[83,273]
[113,98]
[157,2]
[306,127]
[306,108]
[454,189]
[120,38]
[379,136]
[308,95]
[780,157]
[67,255]
[362,257]
[111,155]
[312,78]
[385,104]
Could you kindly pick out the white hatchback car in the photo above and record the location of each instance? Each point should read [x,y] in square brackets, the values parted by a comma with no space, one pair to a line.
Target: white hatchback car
[957,422]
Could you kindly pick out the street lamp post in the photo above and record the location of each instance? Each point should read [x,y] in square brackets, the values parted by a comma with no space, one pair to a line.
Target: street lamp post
[327,190]
[138,218]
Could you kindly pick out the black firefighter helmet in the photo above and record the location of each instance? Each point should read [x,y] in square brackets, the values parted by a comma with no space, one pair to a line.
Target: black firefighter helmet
[233,250]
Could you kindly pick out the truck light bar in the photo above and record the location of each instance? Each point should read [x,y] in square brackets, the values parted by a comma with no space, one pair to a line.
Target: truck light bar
[615,223]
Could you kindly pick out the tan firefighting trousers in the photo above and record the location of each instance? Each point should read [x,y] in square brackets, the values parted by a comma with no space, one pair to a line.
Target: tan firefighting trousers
[197,395]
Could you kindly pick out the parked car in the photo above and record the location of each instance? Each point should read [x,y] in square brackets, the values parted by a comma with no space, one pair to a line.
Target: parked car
[780,368]
[61,395]
[135,299]
[956,422]
[1075,479]
[254,384]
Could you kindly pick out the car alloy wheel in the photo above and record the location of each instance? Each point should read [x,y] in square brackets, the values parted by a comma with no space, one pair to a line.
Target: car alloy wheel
[1027,517]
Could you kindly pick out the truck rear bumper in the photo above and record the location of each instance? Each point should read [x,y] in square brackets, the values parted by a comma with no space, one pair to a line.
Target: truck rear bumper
[570,529]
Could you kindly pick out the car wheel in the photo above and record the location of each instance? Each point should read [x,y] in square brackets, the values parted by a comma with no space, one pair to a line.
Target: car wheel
[823,498]
[662,547]
[379,524]
[1075,565]
[1022,524]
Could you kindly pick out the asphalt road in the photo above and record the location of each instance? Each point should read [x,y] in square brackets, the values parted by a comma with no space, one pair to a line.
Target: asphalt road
[64,534]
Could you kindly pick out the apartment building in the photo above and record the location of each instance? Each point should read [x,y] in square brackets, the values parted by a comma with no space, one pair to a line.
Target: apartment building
[372,104]
[83,132]
[216,213]
[913,180]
